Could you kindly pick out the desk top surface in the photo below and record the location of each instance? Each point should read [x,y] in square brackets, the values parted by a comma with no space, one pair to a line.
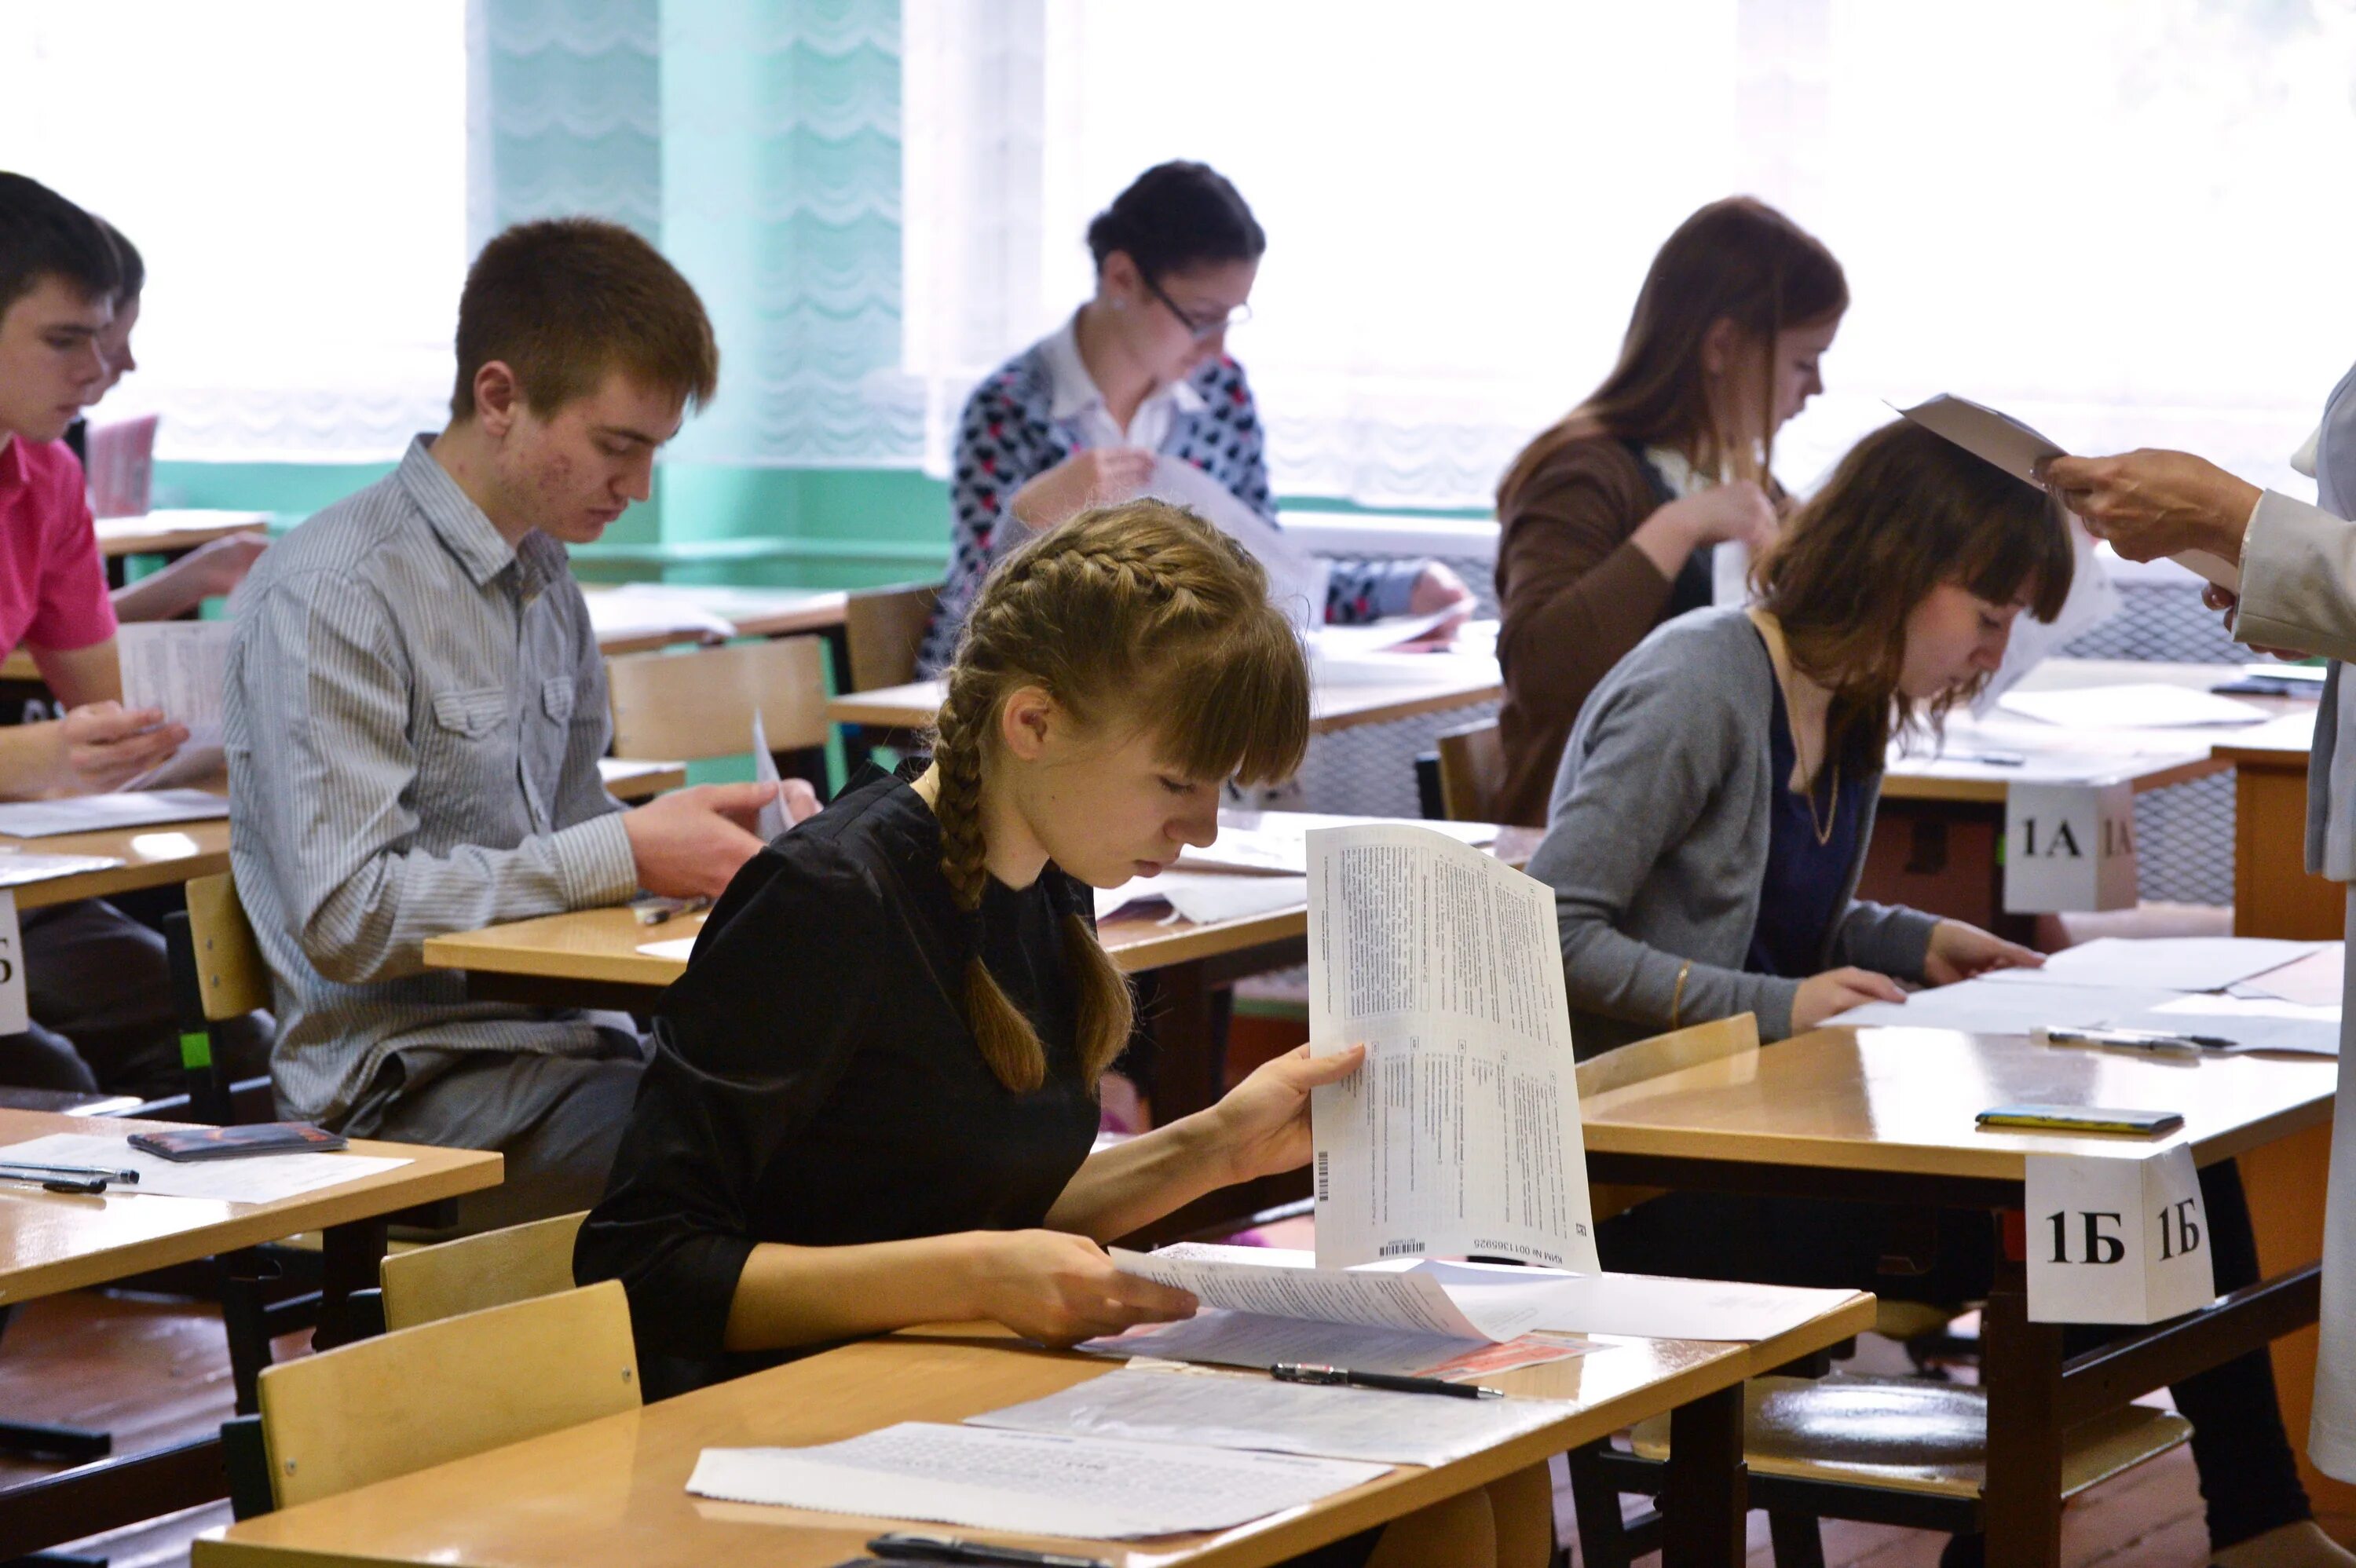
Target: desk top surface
[602,944]
[1371,696]
[1903,1100]
[162,855]
[52,1241]
[615,1491]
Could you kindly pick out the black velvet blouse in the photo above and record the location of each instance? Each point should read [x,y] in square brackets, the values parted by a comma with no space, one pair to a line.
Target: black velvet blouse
[814,1082]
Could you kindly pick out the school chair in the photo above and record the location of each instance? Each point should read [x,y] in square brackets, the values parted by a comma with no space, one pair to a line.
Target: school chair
[407,1401]
[692,704]
[1904,1450]
[884,630]
[425,1285]
[1471,770]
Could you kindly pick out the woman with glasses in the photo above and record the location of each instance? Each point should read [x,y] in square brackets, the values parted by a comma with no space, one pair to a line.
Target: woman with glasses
[1140,371]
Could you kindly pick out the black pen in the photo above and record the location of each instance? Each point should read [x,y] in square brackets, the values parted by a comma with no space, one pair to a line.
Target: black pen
[906,1547]
[1308,1373]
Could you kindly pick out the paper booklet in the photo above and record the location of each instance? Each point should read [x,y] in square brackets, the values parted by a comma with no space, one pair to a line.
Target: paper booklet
[1461,1135]
[2012,446]
[182,667]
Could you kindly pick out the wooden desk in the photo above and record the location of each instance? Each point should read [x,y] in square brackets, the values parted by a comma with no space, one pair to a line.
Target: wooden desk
[2273,895]
[1885,1115]
[173,533]
[51,1243]
[1938,841]
[616,1490]
[1456,681]
[637,781]
[754,613]
[162,855]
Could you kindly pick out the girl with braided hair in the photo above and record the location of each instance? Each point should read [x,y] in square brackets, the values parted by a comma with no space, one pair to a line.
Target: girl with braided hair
[872,1096]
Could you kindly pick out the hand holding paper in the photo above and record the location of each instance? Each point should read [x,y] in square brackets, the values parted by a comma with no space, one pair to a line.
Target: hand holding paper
[2148,504]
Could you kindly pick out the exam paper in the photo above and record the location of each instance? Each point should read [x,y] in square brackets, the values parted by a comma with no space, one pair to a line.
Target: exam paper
[1227,1411]
[247,1178]
[1033,1483]
[677,947]
[18,867]
[2014,447]
[1296,579]
[1987,1006]
[182,667]
[2252,1023]
[1216,1337]
[1204,897]
[2139,705]
[1375,636]
[650,610]
[2160,963]
[1218,1276]
[1648,1306]
[1460,1134]
[1278,841]
[774,820]
[97,813]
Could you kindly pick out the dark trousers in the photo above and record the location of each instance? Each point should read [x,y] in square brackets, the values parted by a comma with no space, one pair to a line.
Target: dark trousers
[2248,1476]
[99,994]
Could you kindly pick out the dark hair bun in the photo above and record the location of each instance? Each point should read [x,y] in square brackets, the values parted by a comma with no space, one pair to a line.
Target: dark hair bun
[1175,217]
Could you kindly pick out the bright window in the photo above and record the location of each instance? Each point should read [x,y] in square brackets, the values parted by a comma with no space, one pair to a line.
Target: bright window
[295,175]
[2114,217]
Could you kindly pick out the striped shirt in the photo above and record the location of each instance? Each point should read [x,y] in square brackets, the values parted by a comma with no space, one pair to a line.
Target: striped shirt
[415,712]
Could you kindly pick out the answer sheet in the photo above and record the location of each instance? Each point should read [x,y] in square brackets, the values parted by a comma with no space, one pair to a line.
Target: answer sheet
[245,1178]
[2161,963]
[1217,1336]
[1228,1410]
[1296,579]
[1234,1279]
[1032,1483]
[1460,1134]
[182,667]
[1649,1305]
[1986,1006]
[2137,705]
[1278,841]
[97,813]
[1204,897]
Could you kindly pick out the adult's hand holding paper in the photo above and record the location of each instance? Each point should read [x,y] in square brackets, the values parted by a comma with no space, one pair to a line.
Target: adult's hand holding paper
[2000,439]
[1460,1134]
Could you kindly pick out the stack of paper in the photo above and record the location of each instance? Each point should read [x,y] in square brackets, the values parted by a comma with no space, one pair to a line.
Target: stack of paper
[1227,1411]
[1204,897]
[98,812]
[1033,1483]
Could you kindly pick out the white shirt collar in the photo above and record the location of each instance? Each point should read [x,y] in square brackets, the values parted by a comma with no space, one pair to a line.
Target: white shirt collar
[1072,391]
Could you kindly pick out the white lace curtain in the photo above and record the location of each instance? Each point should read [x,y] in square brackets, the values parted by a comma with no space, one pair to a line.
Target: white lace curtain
[2112,217]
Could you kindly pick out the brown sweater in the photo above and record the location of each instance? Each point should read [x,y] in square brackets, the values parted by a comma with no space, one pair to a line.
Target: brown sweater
[1576,597]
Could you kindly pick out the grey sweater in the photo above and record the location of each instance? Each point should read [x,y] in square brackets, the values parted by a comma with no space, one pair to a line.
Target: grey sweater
[1656,843]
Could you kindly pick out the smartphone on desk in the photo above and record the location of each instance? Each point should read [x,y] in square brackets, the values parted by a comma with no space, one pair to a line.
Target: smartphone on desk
[184,1143]
[2081,1119]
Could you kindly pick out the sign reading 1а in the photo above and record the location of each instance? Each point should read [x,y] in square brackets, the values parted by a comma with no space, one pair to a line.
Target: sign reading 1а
[2068,847]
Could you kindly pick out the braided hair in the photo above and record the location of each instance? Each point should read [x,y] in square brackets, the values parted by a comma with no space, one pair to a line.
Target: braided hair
[1140,613]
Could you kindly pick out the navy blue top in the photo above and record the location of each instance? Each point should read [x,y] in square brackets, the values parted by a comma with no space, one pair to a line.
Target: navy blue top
[1806,885]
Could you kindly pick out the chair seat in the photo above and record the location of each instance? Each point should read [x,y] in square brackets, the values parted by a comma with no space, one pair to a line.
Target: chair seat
[1904,1320]
[1915,1435]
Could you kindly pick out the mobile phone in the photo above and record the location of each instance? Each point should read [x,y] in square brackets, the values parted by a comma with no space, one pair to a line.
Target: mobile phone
[2082,1119]
[186,1143]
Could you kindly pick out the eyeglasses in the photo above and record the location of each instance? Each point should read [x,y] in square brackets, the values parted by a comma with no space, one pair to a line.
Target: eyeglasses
[1200,328]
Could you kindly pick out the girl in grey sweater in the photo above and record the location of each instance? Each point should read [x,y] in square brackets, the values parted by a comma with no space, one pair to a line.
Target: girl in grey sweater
[1715,802]
[1708,827]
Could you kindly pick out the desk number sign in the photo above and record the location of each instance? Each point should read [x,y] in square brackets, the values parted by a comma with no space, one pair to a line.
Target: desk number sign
[14,1020]
[2068,848]
[2116,1239]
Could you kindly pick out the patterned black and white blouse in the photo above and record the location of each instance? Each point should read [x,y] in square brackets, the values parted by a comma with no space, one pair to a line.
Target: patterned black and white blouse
[1025,419]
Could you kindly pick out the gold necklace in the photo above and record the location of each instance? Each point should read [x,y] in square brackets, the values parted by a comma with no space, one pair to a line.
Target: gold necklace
[1824,829]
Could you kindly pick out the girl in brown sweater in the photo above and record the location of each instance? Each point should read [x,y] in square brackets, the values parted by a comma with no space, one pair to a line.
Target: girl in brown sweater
[1607,518]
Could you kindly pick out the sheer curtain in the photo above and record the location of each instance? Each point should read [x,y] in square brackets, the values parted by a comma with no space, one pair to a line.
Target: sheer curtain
[2114,217]
[294,175]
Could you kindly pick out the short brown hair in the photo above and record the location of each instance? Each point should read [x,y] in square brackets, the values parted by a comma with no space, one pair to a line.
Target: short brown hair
[1141,614]
[562,301]
[1905,511]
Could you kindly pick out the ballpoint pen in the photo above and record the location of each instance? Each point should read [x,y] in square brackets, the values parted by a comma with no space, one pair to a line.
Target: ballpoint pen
[904,1546]
[2135,1039]
[1308,1373]
[656,910]
[84,1178]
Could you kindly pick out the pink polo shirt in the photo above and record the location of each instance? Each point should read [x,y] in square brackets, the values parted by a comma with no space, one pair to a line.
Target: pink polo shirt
[52,581]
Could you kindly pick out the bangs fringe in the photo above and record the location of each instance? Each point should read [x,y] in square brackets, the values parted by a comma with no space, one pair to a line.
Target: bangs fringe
[1238,706]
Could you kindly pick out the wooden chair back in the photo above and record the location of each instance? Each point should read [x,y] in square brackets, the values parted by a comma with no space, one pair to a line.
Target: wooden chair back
[233,977]
[1640,1060]
[885,627]
[425,1285]
[697,703]
[1472,771]
[424,1396]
